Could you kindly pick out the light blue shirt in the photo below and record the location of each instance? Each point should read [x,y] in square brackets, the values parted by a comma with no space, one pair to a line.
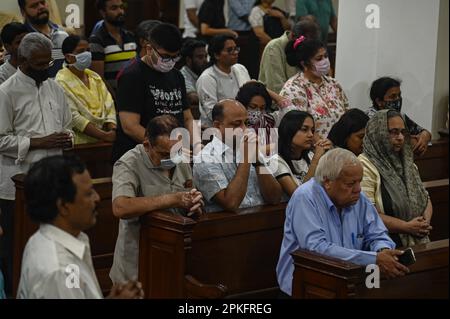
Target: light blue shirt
[214,169]
[236,9]
[313,223]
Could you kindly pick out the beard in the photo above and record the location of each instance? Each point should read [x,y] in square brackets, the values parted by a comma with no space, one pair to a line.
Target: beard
[118,21]
[40,19]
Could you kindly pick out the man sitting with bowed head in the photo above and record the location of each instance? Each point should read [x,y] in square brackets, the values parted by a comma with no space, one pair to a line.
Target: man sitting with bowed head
[329,215]
[60,196]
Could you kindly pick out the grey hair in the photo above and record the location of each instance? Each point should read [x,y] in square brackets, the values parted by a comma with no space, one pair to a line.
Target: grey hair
[34,42]
[332,162]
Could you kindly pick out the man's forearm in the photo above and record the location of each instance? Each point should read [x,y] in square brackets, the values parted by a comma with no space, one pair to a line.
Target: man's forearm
[270,188]
[136,132]
[236,190]
[130,207]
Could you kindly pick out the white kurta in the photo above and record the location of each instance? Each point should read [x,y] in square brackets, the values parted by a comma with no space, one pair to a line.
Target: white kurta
[27,111]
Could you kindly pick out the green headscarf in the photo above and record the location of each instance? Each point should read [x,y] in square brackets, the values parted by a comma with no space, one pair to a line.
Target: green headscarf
[399,174]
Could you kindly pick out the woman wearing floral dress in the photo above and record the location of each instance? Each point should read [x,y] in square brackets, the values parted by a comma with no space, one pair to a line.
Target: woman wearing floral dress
[311,89]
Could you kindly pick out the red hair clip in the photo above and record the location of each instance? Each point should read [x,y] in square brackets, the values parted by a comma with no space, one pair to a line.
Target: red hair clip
[299,40]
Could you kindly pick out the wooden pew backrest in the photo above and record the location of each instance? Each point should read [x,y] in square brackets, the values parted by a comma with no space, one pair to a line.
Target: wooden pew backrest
[319,276]
[96,157]
[234,252]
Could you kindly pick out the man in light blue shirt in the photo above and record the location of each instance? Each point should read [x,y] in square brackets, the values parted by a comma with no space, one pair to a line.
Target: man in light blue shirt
[238,12]
[329,215]
[228,174]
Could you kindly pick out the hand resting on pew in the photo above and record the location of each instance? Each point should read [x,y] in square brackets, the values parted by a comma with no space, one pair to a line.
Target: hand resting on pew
[129,290]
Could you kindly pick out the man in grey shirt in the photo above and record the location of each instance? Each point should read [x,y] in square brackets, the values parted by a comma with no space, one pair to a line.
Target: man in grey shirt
[146,179]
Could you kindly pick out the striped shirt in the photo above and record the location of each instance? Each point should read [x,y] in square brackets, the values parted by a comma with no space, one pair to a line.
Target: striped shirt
[105,48]
[57,36]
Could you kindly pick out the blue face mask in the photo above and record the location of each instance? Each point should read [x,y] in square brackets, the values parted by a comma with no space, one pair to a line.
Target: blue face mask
[167,164]
[84,60]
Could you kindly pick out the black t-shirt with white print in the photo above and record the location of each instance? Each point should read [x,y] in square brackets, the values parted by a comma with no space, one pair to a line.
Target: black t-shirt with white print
[149,93]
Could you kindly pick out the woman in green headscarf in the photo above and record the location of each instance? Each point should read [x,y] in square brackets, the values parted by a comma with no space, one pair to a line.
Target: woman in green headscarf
[392,181]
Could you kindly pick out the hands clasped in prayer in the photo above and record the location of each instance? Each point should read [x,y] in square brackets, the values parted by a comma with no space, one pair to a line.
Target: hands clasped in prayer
[192,201]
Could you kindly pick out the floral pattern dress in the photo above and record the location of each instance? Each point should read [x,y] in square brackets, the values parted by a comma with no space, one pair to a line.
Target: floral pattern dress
[326,101]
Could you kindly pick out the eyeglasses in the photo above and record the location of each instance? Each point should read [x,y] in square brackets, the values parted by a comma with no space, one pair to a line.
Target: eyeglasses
[166,58]
[232,50]
[395,132]
[42,66]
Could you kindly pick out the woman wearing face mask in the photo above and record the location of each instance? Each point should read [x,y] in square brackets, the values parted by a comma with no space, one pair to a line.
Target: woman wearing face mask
[311,89]
[298,154]
[258,100]
[93,111]
[385,93]
[392,182]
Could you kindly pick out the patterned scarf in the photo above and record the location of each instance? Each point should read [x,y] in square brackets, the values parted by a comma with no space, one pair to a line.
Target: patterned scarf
[398,172]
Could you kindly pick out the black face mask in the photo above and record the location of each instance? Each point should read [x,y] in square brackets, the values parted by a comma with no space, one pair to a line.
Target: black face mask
[394,105]
[38,75]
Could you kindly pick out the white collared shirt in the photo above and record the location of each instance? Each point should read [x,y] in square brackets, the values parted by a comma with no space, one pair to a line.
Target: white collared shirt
[214,168]
[57,265]
[6,71]
[28,111]
[214,85]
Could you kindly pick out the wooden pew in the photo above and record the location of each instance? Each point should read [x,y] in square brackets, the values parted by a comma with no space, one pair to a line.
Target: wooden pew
[322,277]
[102,236]
[96,157]
[433,165]
[439,193]
[224,254]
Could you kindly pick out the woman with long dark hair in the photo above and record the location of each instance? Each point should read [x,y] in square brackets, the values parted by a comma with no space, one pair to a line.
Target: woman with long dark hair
[296,161]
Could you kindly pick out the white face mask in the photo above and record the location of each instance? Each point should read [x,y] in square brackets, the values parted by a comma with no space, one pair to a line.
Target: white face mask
[170,163]
[83,61]
[163,66]
[322,67]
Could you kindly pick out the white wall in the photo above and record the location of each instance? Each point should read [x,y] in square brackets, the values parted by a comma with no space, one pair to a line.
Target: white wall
[405,47]
[441,80]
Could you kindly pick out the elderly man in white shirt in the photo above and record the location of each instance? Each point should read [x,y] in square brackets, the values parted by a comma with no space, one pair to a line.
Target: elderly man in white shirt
[34,123]
[222,79]
[57,261]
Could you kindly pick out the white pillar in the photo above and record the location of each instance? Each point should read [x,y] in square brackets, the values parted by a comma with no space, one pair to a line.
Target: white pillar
[405,46]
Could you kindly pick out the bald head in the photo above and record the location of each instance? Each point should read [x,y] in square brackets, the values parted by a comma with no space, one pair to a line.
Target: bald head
[228,108]
[229,114]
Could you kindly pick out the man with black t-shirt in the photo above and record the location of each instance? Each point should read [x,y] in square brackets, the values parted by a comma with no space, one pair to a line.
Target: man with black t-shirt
[151,87]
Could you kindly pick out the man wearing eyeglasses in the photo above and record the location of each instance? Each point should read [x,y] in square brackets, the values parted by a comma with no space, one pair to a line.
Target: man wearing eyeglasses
[111,45]
[35,122]
[222,79]
[37,19]
[151,87]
